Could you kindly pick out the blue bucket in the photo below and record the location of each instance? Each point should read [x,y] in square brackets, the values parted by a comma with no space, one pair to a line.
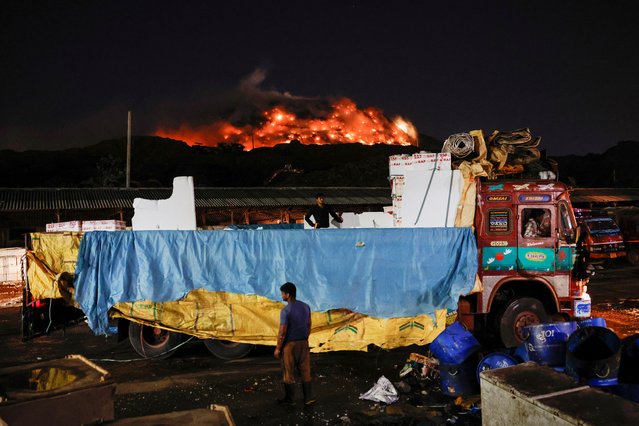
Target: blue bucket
[593,355]
[454,345]
[494,361]
[546,343]
[459,379]
[592,322]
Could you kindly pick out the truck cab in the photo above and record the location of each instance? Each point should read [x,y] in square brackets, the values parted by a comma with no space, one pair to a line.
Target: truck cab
[527,246]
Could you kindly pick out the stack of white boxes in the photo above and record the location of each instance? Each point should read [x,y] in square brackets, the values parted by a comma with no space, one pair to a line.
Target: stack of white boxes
[10,264]
[86,226]
[103,225]
[400,165]
[71,226]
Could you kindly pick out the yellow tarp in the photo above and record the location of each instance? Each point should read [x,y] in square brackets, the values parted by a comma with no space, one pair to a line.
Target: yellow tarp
[52,255]
[255,319]
[228,316]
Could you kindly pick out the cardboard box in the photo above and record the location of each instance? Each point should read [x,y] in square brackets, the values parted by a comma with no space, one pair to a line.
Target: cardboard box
[72,226]
[103,225]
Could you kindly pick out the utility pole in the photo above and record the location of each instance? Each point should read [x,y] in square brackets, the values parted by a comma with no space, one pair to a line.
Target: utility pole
[128,151]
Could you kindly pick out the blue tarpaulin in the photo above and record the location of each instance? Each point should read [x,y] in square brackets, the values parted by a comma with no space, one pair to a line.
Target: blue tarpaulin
[386,273]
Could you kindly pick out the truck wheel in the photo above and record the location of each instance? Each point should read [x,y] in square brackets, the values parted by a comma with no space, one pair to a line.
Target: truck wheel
[518,314]
[153,342]
[633,256]
[224,349]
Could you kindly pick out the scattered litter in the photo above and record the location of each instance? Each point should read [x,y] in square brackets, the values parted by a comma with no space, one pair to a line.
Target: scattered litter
[426,367]
[452,420]
[468,403]
[402,386]
[382,391]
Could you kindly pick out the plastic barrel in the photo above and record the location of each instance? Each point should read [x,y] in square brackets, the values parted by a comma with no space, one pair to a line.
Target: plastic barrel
[521,353]
[459,379]
[546,343]
[454,345]
[592,322]
[494,361]
[593,355]
[628,386]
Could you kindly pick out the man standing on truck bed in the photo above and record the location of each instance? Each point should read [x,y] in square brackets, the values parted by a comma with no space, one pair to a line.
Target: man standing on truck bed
[292,344]
[320,212]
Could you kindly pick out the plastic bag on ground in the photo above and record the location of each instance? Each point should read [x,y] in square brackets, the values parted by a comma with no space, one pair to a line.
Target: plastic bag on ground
[382,391]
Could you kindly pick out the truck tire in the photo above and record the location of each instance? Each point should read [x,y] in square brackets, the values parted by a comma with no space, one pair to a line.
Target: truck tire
[224,349]
[633,256]
[517,314]
[153,342]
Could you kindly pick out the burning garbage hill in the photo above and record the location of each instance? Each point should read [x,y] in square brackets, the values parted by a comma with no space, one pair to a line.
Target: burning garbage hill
[259,118]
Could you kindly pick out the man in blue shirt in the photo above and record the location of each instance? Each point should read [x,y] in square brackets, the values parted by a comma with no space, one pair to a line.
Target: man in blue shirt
[292,345]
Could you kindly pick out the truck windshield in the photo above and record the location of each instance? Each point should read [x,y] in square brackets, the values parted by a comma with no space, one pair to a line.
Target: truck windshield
[602,226]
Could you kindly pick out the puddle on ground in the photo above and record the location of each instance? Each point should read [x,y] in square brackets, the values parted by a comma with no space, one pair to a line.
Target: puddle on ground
[39,379]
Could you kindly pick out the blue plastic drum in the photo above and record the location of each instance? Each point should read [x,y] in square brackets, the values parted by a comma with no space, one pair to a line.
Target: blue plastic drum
[454,345]
[593,355]
[460,379]
[521,353]
[494,361]
[592,322]
[546,343]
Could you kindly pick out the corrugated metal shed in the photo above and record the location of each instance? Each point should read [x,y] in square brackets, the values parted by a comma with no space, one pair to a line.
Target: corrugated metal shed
[605,195]
[37,199]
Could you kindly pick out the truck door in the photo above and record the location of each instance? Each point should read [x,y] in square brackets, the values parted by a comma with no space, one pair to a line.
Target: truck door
[535,235]
[566,244]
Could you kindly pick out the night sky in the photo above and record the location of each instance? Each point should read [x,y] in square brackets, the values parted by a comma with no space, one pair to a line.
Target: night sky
[568,70]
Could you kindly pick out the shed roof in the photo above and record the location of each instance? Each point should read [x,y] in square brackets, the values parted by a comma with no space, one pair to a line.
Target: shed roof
[604,195]
[34,199]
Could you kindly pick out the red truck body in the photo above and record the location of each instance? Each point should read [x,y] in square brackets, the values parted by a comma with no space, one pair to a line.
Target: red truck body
[526,278]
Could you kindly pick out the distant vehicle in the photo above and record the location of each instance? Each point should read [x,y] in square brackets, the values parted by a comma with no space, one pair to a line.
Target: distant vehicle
[603,241]
[628,220]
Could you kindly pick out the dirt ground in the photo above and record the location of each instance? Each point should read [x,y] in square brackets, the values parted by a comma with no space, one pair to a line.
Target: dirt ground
[193,378]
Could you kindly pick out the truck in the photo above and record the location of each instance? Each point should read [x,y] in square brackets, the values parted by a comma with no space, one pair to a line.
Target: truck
[602,239]
[389,287]
[628,220]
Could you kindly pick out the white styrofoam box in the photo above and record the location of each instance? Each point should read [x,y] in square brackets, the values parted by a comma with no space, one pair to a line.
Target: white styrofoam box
[397,185]
[71,226]
[430,161]
[367,220]
[388,209]
[103,225]
[176,212]
[429,210]
[398,164]
[349,220]
[10,264]
[375,220]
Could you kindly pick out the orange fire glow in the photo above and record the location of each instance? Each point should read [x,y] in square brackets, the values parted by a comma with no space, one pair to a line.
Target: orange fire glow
[344,124]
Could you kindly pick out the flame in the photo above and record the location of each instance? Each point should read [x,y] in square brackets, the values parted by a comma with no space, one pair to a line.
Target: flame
[344,123]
